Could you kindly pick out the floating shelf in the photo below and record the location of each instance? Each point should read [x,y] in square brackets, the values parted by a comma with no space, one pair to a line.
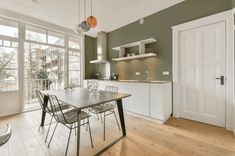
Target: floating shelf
[134,57]
[146,41]
[141,44]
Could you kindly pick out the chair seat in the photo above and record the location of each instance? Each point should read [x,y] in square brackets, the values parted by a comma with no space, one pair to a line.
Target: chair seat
[63,107]
[71,116]
[4,138]
[102,108]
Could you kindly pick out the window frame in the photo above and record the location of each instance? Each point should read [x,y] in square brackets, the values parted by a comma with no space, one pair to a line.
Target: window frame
[21,40]
[17,40]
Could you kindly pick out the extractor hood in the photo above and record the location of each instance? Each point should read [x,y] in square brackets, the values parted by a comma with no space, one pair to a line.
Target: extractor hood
[101,48]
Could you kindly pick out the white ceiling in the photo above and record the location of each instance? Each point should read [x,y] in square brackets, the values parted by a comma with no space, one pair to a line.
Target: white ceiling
[111,14]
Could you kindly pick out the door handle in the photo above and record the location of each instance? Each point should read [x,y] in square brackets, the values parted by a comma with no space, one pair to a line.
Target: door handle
[221,78]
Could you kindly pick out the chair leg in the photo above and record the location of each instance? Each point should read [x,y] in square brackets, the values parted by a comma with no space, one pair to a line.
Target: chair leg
[52,134]
[116,119]
[39,127]
[97,116]
[87,124]
[68,140]
[104,125]
[90,132]
[75,128]
[101,117]
[49,129]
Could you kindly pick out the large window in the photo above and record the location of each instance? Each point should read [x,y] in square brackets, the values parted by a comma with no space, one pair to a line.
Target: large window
[8,55]
[46,53]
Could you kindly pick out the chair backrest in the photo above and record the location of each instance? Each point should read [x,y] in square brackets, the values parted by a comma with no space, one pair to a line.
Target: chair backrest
[4,138]
[92,85]
[56,109]
[40,97]
[111,89]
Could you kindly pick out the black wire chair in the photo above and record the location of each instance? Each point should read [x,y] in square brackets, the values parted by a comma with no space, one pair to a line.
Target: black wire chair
[4,138]
[48,109]
[68,119]
[107,108]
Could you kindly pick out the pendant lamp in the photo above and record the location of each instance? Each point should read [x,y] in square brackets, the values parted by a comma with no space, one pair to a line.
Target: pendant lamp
[91,20]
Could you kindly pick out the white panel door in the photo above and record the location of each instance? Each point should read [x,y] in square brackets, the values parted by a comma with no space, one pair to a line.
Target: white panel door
[202,60]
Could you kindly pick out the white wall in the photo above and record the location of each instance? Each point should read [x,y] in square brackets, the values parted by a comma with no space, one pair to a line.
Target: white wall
[9,103]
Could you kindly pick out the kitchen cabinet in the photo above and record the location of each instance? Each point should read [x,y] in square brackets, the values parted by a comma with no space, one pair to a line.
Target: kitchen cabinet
[148,99]
[160,101]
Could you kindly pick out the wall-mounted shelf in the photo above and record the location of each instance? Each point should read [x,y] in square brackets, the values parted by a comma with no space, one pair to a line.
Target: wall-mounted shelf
[134,57]
[141,54]
[146,41]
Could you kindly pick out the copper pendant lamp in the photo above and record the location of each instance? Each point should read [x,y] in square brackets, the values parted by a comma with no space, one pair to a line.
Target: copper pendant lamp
[91,20]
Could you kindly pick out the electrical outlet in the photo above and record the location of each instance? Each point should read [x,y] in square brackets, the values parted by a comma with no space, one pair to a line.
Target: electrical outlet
[166,73]
[137,73]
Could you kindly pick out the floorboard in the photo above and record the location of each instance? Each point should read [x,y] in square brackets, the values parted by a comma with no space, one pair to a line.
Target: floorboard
[178,137]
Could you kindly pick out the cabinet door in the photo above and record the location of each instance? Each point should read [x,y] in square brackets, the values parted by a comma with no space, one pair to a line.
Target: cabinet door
[138,102]
[157,101]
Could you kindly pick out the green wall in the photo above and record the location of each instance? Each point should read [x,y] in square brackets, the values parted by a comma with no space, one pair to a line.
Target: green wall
[233,3]
[90,54]
[158,26]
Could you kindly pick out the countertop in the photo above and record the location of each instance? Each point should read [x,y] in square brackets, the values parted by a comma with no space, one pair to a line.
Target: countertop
[136,81]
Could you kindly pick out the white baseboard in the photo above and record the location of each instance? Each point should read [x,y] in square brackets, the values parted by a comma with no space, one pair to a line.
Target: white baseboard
[9,113]
[147,117]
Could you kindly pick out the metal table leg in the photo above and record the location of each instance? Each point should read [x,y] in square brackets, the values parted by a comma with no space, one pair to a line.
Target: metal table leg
[45,103]
[122,120]
[78,133]
[121,116]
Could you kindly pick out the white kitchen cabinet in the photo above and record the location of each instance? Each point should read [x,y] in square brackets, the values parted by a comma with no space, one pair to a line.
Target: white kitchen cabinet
[151,100]
[138,102]
[160,101]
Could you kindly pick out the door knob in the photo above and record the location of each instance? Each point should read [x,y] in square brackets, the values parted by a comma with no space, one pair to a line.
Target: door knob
[221,78]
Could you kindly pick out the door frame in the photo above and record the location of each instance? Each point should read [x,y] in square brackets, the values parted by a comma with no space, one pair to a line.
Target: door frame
[226,17]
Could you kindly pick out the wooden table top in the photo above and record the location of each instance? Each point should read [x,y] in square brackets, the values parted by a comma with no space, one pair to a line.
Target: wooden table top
[81,98]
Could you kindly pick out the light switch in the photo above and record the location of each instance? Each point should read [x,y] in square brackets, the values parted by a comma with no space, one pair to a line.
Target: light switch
[137,73]
[166,73]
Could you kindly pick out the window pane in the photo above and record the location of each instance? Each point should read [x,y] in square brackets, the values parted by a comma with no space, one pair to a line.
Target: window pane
[55,38]
[35,34]
[75,42]
[8,80]
[14,44]
[7,43]
[8,58]
[8,28]
[74,78]
[44,68]
[74,68]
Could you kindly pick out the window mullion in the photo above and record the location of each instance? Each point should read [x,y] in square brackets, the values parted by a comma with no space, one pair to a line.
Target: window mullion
[66,62]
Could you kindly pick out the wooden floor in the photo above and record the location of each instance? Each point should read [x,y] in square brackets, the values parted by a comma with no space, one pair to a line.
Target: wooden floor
[178,137]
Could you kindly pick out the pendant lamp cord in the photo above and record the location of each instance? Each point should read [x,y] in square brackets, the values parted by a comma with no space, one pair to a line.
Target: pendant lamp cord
[91,7]
[78,11]
[84,10]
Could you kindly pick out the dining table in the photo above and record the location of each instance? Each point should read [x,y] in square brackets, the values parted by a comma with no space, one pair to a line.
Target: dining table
[82,98]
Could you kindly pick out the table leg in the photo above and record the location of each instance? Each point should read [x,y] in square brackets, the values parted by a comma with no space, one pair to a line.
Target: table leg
[45,103]
[121,116]
[78,133]
[122,120]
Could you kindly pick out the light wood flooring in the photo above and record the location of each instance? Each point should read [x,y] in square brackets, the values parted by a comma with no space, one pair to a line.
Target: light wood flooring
[178,137]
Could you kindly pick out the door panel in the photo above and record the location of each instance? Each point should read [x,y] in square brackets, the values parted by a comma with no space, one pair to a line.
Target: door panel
[202,57]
